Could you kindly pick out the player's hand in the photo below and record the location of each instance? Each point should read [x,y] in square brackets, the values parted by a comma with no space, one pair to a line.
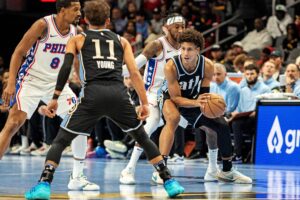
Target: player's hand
[52,108]
[8,94]
[43,110]
[143,112]
[203,99]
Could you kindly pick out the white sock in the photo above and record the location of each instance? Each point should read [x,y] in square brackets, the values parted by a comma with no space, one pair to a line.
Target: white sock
[78,166]
[213,159]
[136,153]
[24,141]
[79,148]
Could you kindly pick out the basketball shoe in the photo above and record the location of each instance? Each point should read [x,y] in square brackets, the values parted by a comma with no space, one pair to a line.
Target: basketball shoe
[173,188]
[234,176]
[115,146]
[81,183]
[211,174]
[127,176]
[39,191]
[156,179]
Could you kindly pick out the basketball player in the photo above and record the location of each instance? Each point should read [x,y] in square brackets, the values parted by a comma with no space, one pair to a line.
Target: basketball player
[102,53]
[155,56]
[188,78]
[43,47]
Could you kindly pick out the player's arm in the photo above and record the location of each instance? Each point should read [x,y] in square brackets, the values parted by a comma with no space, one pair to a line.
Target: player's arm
[36,31]
[135,75]
[73,46]
[174,87]
[151,50]
[208,75]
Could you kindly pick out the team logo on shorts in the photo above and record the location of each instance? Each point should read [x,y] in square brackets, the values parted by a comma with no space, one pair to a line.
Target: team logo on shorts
[74,107]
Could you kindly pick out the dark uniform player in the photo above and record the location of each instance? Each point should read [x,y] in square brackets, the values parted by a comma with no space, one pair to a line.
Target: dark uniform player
[102,53]
[188,78]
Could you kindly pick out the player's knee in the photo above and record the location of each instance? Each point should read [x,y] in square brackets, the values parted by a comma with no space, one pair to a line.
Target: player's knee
[171,117]
[14,123]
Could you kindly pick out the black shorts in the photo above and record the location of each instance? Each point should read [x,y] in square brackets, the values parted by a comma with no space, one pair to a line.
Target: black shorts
[194,116]
[102,99]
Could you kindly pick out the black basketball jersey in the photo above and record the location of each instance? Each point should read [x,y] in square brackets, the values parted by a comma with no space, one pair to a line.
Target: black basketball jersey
[101,56]
[190,82]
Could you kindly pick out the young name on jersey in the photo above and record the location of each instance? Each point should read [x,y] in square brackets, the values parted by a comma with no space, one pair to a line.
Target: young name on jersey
[104,64]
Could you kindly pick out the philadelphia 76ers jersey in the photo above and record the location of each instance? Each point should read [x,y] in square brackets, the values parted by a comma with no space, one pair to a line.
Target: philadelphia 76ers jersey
[154,71]
[44,59]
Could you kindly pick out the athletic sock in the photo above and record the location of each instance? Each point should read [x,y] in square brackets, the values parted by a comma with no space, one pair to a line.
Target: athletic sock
[136,153]
[47,174]
[24,141]
[213,159]
[78,166]
[227,165]
[163,170]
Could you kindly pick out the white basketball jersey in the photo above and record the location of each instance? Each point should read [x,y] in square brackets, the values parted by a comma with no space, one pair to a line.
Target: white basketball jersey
[154,71]
[45,58]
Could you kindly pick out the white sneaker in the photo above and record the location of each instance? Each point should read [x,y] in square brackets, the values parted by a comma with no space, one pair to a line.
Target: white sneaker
[127,177]
[15,150]
[176,159]
[81,183]
[42,151]
[211,175]
[115,146]
[234,176]
[156,179]
[115,154]
[28,150]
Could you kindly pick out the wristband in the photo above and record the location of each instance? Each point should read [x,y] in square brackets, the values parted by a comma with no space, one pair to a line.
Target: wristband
[55,96]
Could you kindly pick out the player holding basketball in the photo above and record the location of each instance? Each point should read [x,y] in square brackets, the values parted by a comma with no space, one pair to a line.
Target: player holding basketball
[43,47]
[155,56]
[188,78]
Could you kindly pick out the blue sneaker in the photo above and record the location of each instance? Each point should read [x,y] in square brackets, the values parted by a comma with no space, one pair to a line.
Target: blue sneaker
[39,191]
[173,188]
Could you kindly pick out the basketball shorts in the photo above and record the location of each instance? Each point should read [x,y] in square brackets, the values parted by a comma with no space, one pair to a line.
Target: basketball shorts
[187,115]
[102,99]
[31,91]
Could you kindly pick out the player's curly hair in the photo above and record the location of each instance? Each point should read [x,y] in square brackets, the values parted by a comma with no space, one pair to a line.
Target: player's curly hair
[193,36]
[64,4]
[96,11]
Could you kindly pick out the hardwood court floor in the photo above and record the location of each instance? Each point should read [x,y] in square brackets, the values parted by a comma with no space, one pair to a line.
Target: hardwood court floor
[19,173]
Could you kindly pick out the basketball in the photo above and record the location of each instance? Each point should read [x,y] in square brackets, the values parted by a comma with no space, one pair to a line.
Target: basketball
[215,106]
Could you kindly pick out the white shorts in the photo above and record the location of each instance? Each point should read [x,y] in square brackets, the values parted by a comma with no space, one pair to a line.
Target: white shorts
[31,91]
[155,118]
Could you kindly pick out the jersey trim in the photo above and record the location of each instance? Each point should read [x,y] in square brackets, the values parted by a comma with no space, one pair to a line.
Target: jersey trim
[24,69]
[57,30]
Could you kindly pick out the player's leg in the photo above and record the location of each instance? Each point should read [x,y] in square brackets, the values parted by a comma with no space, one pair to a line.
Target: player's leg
[212,168]
[126,118]
[78,122]
[78,181]
[172,117]
[220,126]
[15,120]
[172,187]
[127,175]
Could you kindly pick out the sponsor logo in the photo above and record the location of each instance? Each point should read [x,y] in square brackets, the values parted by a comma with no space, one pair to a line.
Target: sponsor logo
[277,141]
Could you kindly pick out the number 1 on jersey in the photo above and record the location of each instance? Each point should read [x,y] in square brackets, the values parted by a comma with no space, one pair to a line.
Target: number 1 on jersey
[98,50]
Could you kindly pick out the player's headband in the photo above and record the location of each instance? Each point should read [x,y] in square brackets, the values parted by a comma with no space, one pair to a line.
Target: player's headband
[175,19]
